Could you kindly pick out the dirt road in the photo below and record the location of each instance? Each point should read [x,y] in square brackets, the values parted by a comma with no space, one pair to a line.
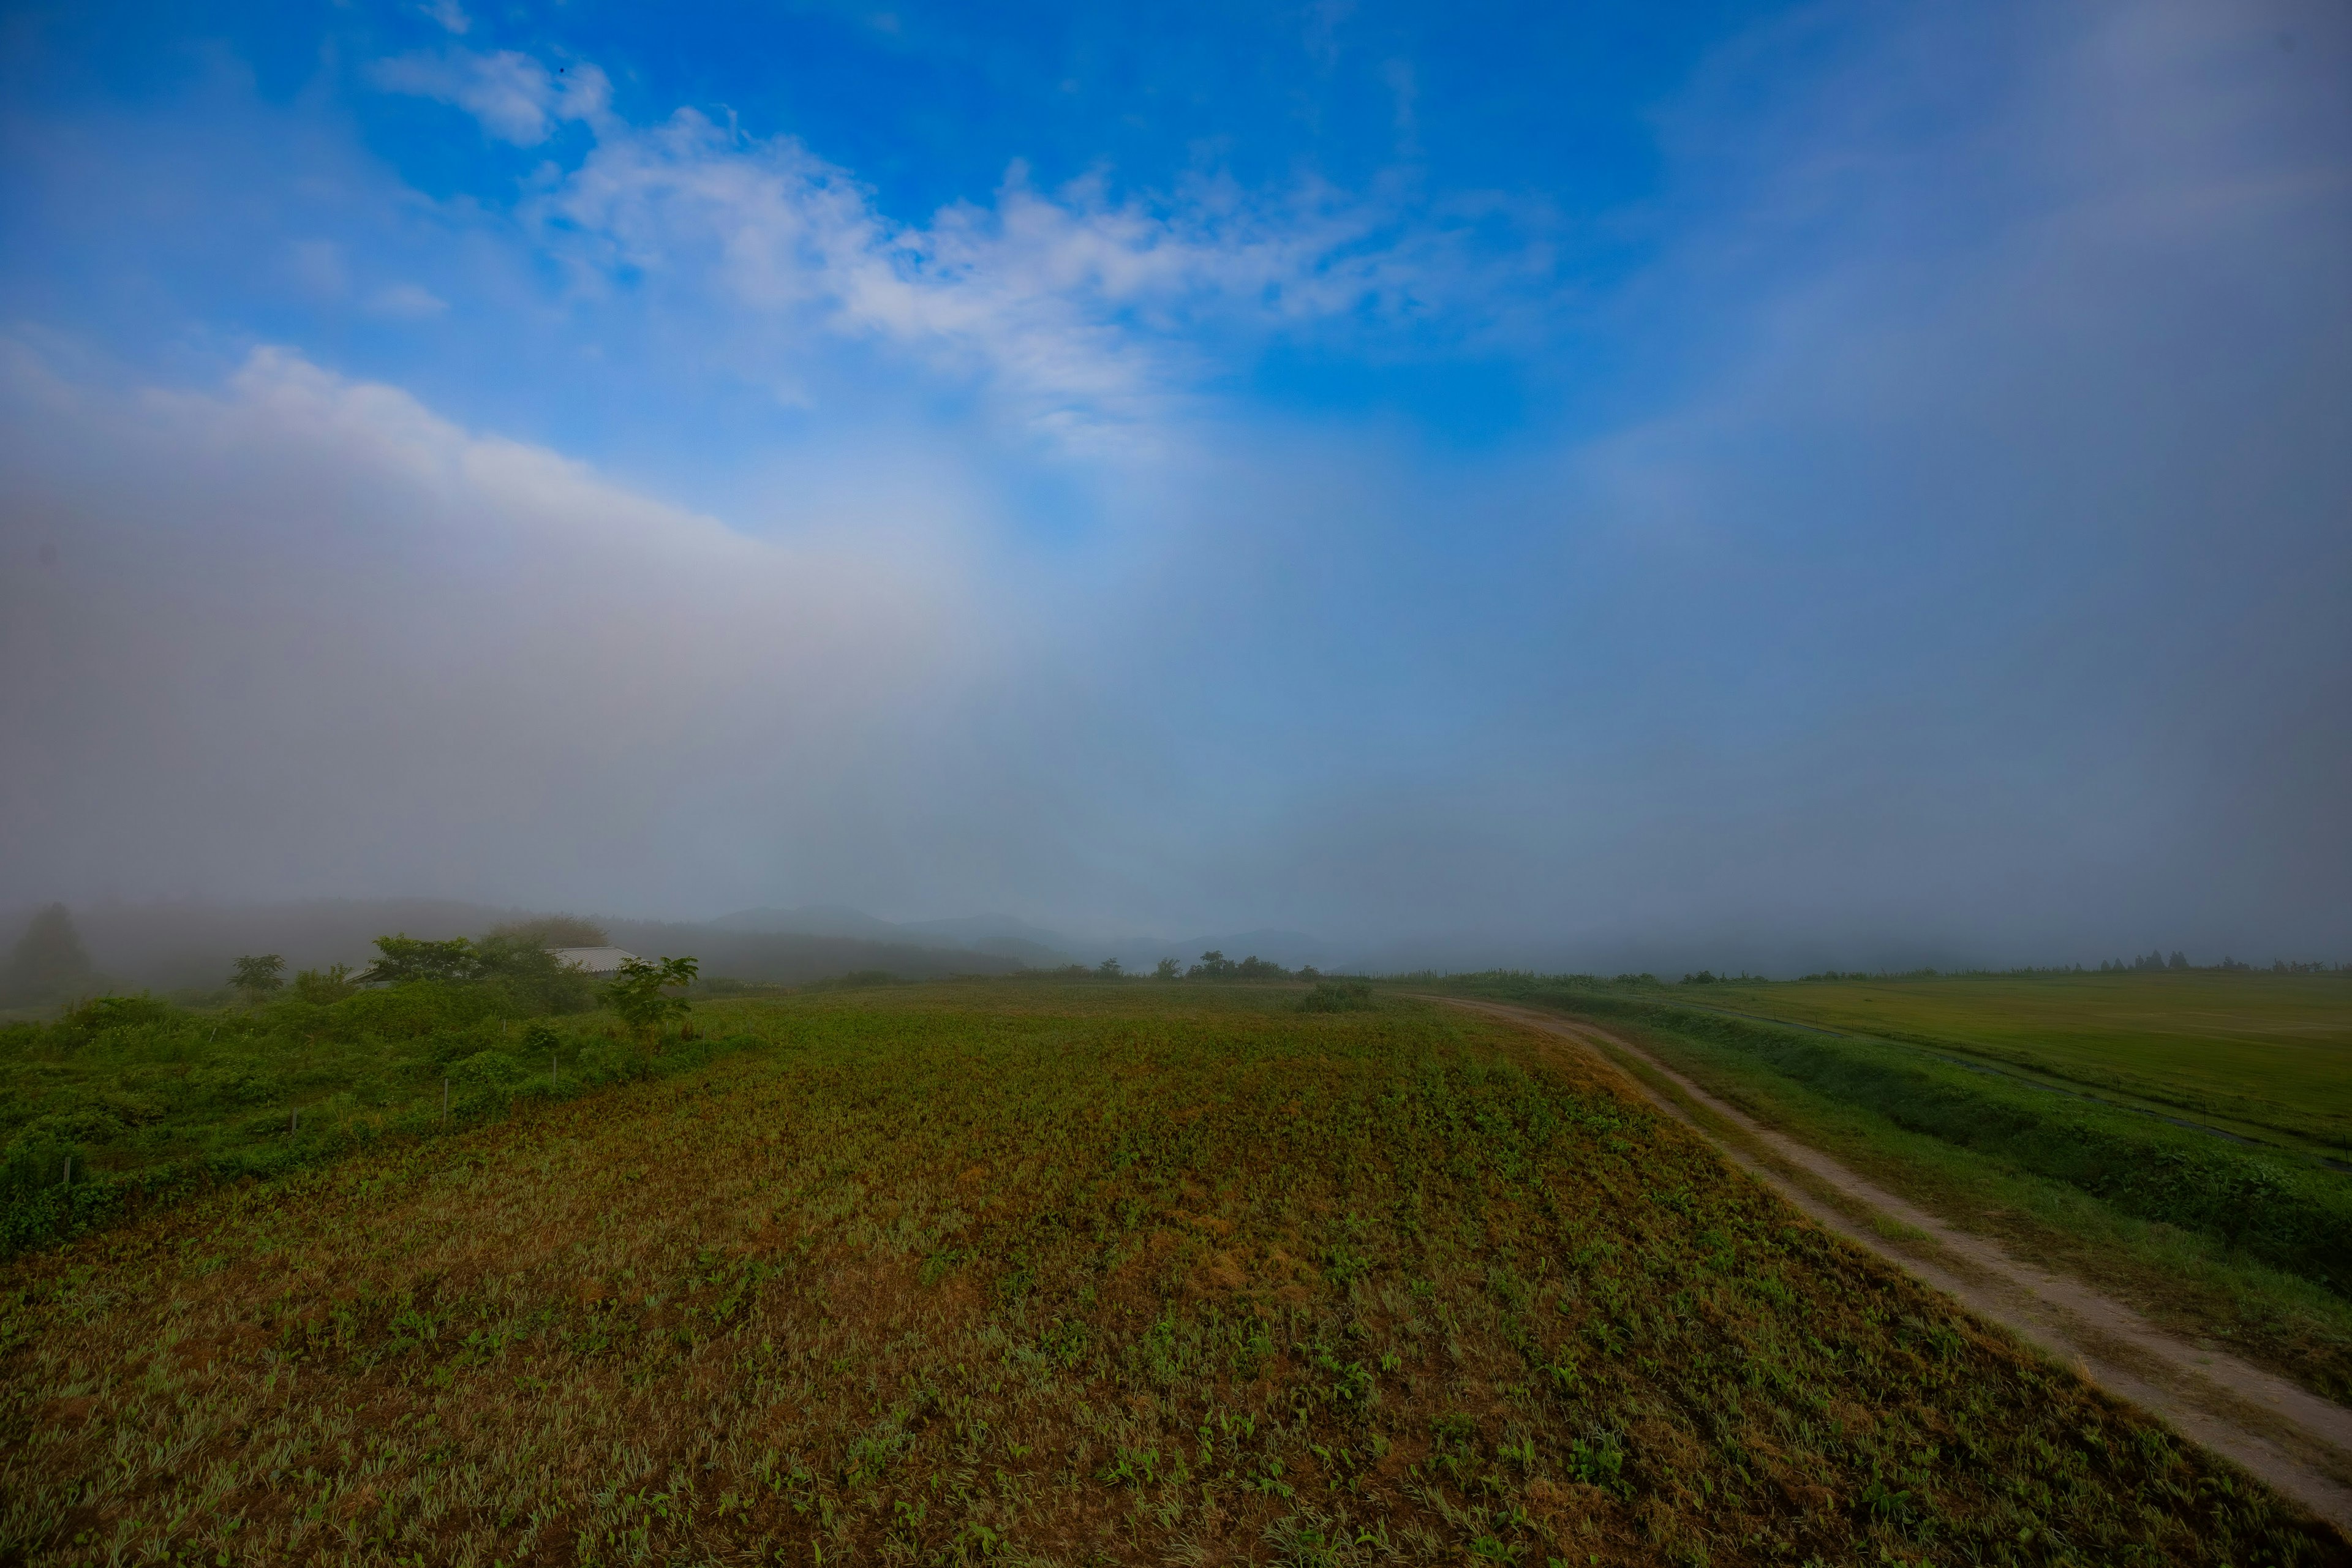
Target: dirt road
[2292,1438]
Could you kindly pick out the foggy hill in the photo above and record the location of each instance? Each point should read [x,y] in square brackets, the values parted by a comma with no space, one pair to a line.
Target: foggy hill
[789,958]
[1035,945]
[1000,936]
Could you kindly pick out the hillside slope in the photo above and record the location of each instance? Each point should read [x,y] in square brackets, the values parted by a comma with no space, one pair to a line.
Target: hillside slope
[1011,1271]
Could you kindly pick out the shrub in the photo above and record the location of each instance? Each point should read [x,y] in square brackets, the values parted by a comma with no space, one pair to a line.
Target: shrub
[642,993]
[1338,996]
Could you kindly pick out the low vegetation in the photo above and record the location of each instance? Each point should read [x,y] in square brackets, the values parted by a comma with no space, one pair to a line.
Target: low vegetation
[2244,1242]
[1021,1272]
[1338,996]
[2258,1053]
[124,1103]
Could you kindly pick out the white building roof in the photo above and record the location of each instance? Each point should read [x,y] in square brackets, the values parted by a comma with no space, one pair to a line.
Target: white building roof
[592,959]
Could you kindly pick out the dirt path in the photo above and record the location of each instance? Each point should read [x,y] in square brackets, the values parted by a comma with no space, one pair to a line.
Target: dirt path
[2292,1438]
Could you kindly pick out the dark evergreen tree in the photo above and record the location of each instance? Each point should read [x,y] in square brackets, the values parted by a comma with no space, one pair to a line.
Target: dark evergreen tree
[50,964]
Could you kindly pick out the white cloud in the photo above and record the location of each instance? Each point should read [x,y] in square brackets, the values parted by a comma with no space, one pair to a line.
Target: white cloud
[408,300]
[1086,312]
[449,14]
[302,633]
[515,97]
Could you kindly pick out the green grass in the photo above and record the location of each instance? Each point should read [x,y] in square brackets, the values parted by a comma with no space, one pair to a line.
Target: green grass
[2254,1052]
[151,1102]
[1020,1273]
[2213,1238]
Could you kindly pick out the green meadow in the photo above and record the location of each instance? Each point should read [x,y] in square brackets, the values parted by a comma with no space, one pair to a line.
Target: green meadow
[1021,1272]
[2254,1052]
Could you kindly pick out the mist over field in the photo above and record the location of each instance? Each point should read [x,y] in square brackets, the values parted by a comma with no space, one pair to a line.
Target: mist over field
[1779,489]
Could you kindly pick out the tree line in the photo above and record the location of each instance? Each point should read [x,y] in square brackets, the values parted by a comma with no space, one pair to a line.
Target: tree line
[49,964]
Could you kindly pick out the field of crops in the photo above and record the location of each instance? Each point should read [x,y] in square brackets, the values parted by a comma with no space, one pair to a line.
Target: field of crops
[2255,1052]
[1021,1273]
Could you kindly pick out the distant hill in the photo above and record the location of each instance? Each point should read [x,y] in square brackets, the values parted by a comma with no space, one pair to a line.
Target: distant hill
[811,920]
[1000,935]
[1035,945]
[786,958]
[1290,949]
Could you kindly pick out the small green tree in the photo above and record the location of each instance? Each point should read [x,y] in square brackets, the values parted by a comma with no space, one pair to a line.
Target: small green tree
[640,993]
[257,974]
[324,986]
[1168,969]
[404,957]
[1109,969]
[532,978]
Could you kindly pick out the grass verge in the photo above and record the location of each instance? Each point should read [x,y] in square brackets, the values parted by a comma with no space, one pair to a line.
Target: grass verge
[2192,1281]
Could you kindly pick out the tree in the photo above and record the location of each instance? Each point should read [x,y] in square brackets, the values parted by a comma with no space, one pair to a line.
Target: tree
[1168,969]
[2178,959]
[257,974]
[640,994]
[1213,965]
[48,963]
[324,986]
[532,977]
[552,930]
[406,958]
[1109,969]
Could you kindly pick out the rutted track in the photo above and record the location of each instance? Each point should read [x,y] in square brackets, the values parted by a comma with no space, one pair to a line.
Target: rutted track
[2292,1438]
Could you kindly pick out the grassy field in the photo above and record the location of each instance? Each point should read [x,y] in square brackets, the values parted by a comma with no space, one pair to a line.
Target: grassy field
[2256,1053]
[1021,1273]
[128,1102]
[2247,1245]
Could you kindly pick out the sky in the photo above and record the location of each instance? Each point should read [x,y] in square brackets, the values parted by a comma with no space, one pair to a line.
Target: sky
[1785,486]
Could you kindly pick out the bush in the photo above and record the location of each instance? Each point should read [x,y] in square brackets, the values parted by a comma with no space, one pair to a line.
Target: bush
[1338,996]
[642,993]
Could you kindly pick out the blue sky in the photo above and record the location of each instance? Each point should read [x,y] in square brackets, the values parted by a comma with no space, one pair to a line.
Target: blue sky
[1582,484]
